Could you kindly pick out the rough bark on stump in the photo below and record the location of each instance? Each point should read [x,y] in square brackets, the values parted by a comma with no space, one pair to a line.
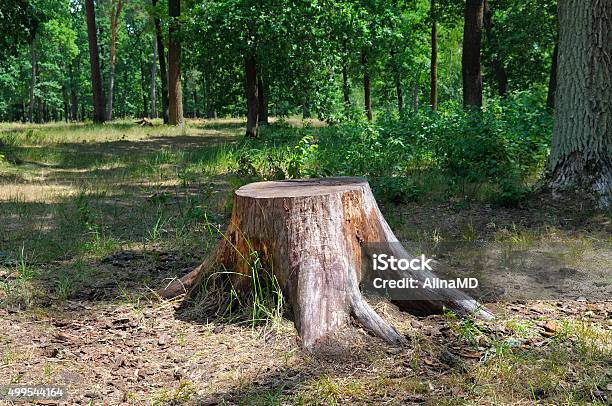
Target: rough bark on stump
[310,234]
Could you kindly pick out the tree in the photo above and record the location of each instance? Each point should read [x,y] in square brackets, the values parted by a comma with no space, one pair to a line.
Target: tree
[501,77]
[252,97]
[175,94]
[262,99]
[470,62]
[581,151]
[154,81]
[367,88]
[161,54]
[116,6]
[433,95]
[94,61]
[33,80]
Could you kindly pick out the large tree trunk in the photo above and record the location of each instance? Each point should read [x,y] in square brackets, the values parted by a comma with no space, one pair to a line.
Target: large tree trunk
[415,97]
[33,80]
[162,66]
[433,71]
[367,88]
[501,77]
[94,61]
[552,83]
[470,63]
[581,152]
[310,234]
[115,13]
[252,98]
[175,94]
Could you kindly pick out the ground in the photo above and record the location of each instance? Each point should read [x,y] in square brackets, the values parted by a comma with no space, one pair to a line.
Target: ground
[95,218]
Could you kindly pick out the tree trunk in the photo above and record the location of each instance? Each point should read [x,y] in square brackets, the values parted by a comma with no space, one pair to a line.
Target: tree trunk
[552,83]
[33,80]
[433,71]
[501,77]
[367,88]
[162,66]
[74,102]
[65,114]
[175,94]
[581,151]
[262,101]
[143,87]
[470,63]
[154,81]
[94,61]
[415,97]
[252,98]
[310,235]
[115,13]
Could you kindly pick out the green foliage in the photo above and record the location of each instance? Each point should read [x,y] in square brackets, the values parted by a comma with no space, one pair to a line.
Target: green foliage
[501,149]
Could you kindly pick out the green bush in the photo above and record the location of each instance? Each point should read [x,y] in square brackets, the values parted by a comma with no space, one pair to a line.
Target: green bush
[500,149]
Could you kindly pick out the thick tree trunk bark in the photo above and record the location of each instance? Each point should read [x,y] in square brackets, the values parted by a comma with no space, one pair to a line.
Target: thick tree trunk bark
[33,80]
[581,151]
[501,77]
[310,235]
[415,97]
[433,71]
[470,63]
[552,83]
[262,100]
[161,54]
[175,93]
[94,61]
[367,88]
[252,97]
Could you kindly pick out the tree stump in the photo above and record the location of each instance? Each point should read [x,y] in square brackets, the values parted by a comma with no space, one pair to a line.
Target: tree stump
[310,234]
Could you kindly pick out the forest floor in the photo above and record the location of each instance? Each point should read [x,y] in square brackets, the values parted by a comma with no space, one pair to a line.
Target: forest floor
[93,219]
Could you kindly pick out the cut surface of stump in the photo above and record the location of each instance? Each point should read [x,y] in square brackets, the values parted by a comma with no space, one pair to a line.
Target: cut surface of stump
[310,234]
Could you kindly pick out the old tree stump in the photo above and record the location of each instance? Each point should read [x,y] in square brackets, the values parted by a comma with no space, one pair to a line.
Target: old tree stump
[310,234]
